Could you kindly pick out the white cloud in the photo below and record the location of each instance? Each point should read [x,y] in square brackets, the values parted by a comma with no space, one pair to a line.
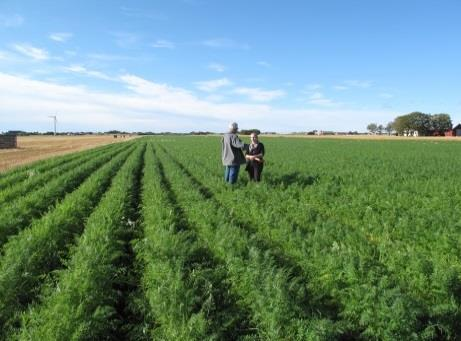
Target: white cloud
[213,85]
[318,98]
[14,20]
[314,87]
[347,85]
[225,43]
[217,67]
[125,39]
[193,2]
[254,80]
[259,95]
[358,84]
[91,73]
[164,44]
[143,105]
[142,13]
[264,64]
[215,98]
[386,95]
[105,57]
[60,37]
[31,51]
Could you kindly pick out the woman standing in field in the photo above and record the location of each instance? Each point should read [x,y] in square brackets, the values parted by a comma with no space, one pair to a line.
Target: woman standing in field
[254,157]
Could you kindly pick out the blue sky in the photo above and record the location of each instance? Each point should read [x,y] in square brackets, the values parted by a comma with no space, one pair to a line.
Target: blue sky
[183,65]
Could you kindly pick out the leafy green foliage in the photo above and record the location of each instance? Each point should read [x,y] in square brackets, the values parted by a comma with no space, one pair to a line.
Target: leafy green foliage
[31,254]
[342,239]
[19,212]
[83,304]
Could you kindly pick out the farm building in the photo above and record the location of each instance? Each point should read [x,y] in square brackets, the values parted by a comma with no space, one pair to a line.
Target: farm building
[456,131]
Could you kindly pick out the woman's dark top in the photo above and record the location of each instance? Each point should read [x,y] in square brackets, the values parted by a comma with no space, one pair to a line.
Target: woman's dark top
[259,149]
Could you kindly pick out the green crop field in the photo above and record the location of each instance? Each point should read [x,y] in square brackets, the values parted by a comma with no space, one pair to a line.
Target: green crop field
[342,240]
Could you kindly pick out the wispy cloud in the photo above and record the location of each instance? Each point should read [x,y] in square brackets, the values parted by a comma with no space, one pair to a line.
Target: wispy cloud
[215,98]
[260,95]
[31,51]
[106,57]
[164,44]
[70,53]
[313,87]
[386,95]
[212,85]
[125,39]
[217,67]
[225,43]
[193,2]
[143,13]
[145,105]
[254,80]
[264,64]
[60,37]
[349,84]
[14,20]
[91,73]
[358,84]
[318,98]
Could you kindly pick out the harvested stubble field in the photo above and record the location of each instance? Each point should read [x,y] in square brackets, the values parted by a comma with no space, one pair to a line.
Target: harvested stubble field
[33,148]
[342,240]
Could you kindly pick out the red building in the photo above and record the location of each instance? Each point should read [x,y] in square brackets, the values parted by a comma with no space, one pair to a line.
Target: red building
[456,131]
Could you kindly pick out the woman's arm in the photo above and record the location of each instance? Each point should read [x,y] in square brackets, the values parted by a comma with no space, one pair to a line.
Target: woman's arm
[257,157]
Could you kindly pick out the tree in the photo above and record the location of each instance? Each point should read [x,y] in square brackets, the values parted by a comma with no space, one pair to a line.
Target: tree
[389,128]
[420,122]
[424,124]
[372,127]
[249,131]
[401,125]
[380,129]
[441,123]
[413,122]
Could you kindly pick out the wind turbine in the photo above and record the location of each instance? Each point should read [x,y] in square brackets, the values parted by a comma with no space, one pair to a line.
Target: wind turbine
[54,120]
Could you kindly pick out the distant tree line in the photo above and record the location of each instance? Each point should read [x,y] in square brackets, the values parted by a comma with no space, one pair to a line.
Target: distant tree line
[423,124]
[249,131]
[110,132]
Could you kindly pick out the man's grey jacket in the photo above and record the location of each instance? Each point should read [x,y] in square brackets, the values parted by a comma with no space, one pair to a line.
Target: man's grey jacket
[232,154]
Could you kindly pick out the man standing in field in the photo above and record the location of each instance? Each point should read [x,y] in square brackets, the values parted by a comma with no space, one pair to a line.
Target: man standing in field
[232,154]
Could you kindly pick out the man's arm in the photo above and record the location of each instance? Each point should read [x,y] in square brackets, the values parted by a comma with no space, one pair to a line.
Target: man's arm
[237,143]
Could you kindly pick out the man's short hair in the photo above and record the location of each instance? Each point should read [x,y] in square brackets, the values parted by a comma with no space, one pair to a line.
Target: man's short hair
[233,126]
